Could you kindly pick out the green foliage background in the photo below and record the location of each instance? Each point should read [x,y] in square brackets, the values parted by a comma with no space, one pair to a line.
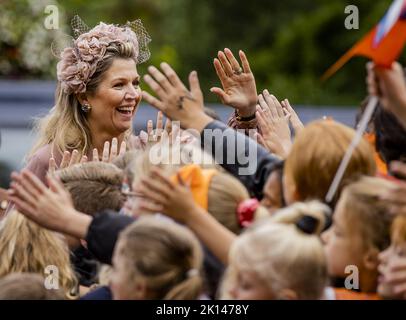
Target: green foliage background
[289,43]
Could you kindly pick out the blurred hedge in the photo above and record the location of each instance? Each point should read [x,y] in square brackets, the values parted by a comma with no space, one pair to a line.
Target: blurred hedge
[289,43]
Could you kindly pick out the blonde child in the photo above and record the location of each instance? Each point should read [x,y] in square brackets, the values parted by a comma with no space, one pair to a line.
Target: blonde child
[27,286]
[27,247]
[360,230]
[156,259]
[281,258]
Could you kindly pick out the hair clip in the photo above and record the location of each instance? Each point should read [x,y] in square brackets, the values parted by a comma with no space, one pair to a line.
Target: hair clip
[3,204]
[246,210]
[308,224]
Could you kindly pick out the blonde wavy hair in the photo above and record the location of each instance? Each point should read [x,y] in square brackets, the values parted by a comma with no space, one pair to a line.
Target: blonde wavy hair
[281,254]
[166,255]
[66,126]
[27,247]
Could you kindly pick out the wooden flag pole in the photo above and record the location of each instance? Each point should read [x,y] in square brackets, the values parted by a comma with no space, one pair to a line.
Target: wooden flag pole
[366,117]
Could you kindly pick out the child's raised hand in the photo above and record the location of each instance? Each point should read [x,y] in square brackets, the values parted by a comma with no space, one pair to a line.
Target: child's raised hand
[160,130]
[161,195]
[393,272]
[68,159]
[396,196]
[273,123]
[294,118]
[109,154]
[40,204]
[390,86]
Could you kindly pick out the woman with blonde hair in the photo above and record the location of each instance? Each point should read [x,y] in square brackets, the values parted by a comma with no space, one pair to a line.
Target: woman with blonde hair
[156,259]
[281,258]
[27,247]
[97,94]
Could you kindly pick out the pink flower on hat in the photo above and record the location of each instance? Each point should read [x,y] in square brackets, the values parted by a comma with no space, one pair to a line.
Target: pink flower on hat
[79,63]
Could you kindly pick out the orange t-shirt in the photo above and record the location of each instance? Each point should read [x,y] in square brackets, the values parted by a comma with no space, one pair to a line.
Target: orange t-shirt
[344,294]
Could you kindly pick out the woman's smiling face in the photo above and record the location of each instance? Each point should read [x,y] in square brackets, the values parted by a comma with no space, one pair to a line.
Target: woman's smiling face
[116,99]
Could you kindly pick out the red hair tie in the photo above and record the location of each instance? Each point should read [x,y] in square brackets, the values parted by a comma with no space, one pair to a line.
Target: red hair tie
[246,210]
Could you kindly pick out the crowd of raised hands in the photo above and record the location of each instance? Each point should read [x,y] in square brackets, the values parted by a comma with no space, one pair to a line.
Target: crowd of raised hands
[276,125]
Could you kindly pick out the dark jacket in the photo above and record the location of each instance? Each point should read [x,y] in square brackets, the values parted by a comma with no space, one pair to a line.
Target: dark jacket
[101,293]
[103,233]
[239,155]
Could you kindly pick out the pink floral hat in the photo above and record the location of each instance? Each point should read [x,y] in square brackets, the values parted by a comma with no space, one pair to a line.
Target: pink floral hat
[78,62]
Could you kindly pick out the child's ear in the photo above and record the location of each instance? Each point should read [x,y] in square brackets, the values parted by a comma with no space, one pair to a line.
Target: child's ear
[325,236]
[296,195]
[290,191]
[371,259]
[140,290]
[288,294]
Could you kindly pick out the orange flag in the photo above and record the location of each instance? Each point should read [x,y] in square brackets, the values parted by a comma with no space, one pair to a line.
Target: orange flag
[383,44]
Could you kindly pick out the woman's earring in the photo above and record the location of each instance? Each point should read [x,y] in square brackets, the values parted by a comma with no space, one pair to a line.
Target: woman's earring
[86,107]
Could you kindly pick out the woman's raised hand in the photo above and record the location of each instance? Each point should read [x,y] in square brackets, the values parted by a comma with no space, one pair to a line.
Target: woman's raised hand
[239,89]
[273,123]
[174,99]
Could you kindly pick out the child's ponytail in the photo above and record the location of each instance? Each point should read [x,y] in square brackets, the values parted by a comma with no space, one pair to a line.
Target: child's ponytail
[311,218]
[188,289]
